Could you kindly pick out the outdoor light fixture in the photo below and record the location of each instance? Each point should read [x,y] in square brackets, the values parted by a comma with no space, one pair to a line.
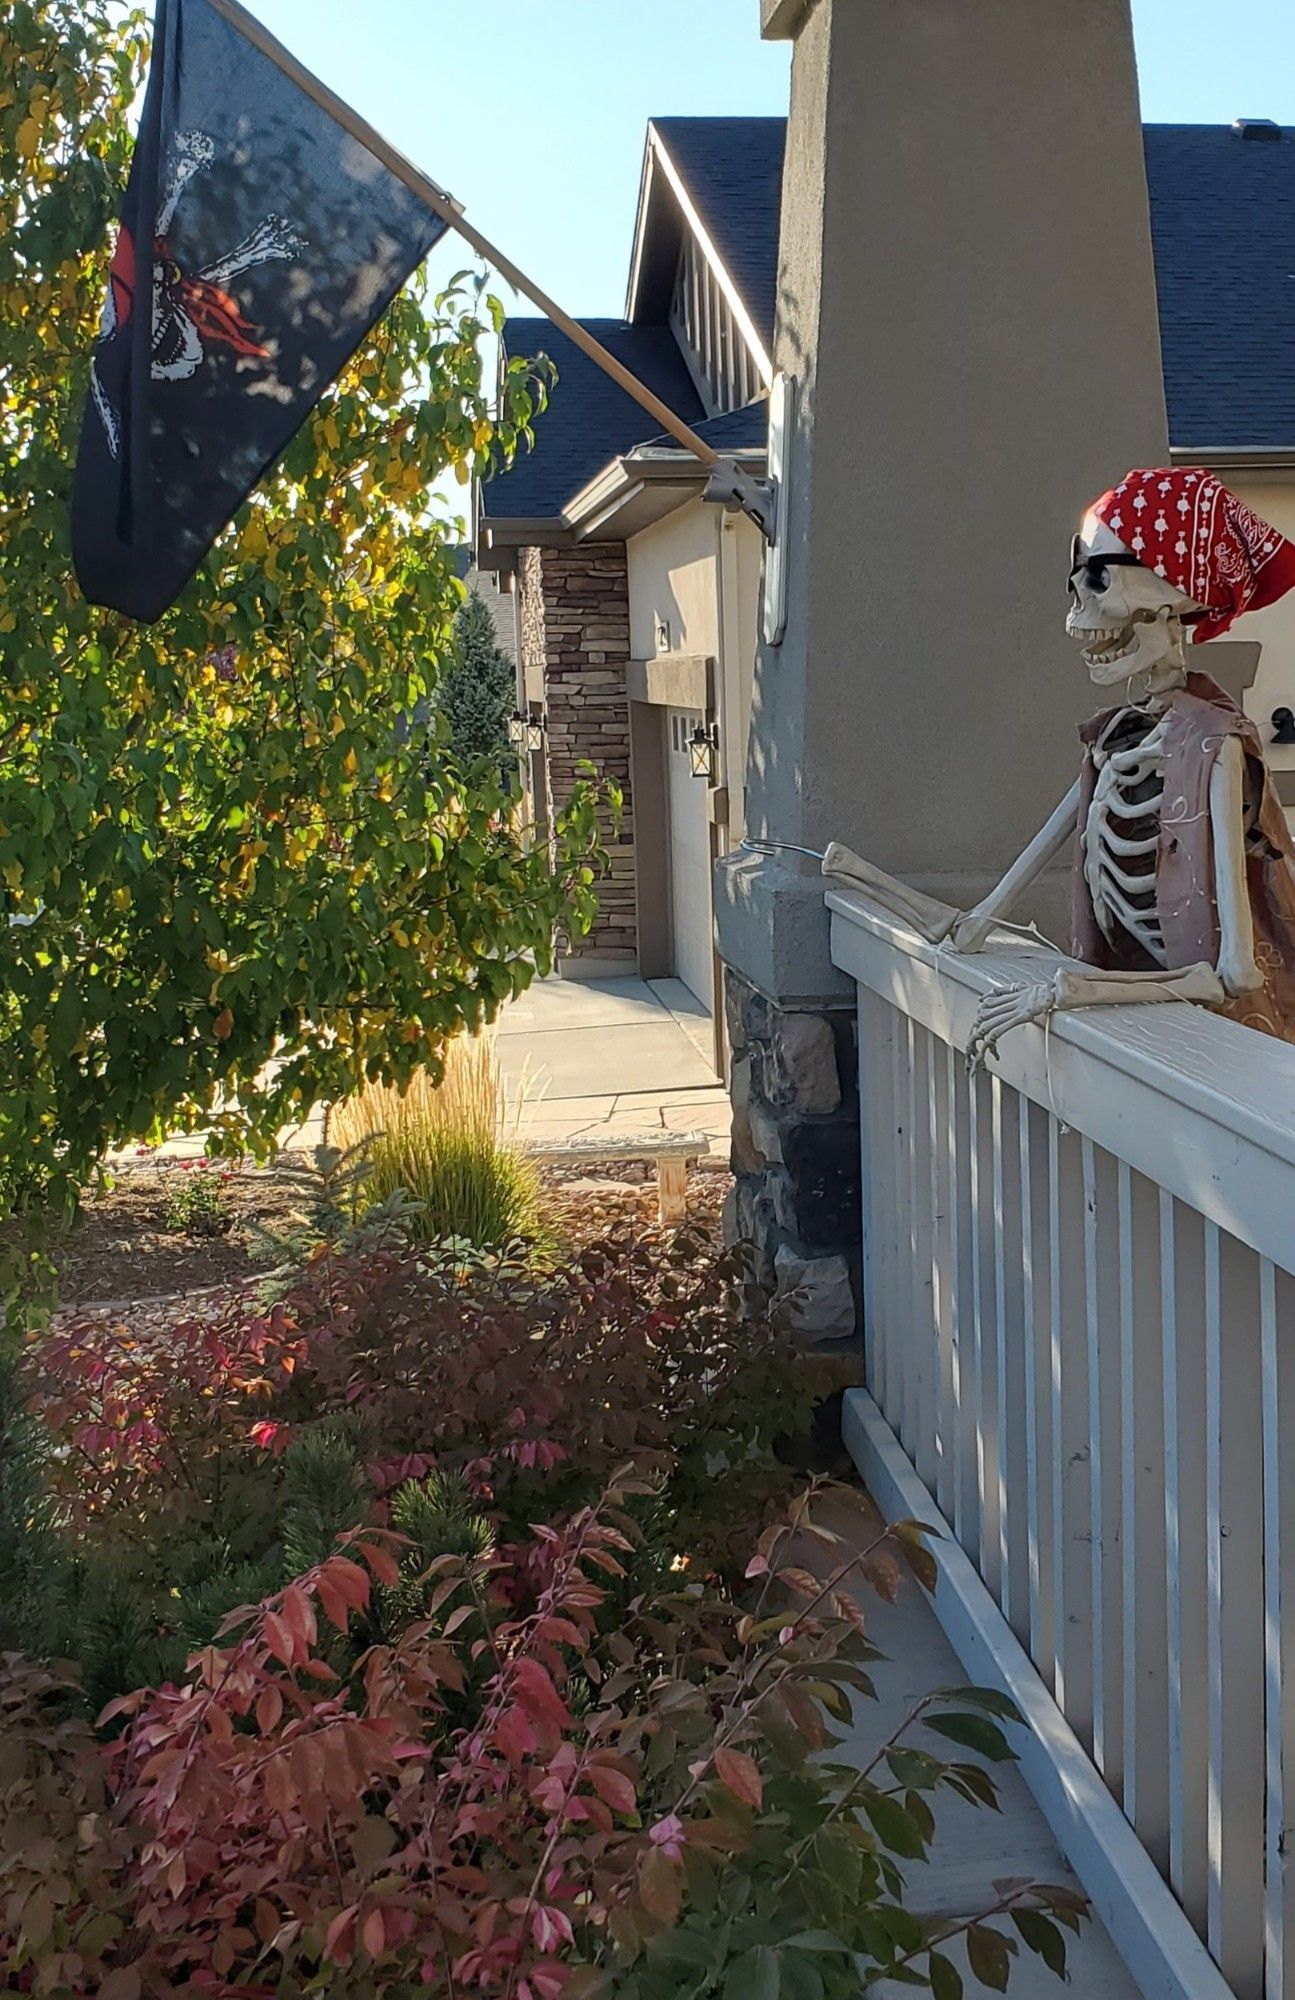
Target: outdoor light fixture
[525,732]
[702,745]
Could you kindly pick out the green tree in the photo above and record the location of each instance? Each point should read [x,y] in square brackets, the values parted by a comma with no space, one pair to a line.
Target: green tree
[218,842]
[479,693]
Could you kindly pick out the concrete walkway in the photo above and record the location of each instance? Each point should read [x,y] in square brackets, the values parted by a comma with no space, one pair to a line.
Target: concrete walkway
[611,1058]
[973,1848]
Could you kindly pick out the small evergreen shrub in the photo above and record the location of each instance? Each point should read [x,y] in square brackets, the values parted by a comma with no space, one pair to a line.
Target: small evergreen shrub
[478,693]
[451,1146]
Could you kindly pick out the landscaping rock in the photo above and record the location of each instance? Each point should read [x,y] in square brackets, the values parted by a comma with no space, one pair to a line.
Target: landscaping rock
[800,1068]
[820,1297]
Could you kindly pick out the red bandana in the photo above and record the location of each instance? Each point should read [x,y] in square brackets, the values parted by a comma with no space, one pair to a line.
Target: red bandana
[1193,532]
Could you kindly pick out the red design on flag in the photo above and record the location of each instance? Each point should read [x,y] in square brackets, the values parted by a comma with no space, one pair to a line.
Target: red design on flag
[121,280]
[1205,541]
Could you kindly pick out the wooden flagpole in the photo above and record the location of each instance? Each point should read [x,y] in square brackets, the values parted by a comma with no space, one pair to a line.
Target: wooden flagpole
[445,205]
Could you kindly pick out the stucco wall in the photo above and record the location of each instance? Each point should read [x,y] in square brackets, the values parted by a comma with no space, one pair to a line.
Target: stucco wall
[672,576]
[936,308]
[1275,628]
[681,570]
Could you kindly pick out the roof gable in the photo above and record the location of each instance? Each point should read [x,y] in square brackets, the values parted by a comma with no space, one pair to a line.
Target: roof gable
[731,173]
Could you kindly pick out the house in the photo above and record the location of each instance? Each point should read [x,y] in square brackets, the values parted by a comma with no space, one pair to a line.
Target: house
[637,602]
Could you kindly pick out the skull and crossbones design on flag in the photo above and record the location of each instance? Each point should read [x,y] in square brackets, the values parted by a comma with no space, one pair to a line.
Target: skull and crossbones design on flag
[259,243]
[192,310]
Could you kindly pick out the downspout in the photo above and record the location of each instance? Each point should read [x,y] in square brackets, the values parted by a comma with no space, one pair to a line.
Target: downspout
[732,739]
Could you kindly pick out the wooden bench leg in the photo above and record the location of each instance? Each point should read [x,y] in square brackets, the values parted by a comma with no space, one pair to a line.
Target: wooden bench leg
[672,1191]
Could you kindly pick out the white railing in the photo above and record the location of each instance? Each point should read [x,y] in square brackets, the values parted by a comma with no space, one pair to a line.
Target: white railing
[1080,1329]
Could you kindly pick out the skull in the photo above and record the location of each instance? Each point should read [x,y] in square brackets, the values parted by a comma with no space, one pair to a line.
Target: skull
[1126,620]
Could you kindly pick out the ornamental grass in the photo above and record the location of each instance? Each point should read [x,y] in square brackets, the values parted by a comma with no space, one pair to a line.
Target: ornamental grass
[452,1146]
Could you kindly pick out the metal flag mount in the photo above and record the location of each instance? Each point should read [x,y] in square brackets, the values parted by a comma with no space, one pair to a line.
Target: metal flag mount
[729,485]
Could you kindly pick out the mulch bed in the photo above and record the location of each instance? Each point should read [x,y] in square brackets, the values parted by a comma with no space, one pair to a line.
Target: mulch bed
[120,1250]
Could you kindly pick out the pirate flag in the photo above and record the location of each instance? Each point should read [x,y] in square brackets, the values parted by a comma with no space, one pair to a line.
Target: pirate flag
[259,243]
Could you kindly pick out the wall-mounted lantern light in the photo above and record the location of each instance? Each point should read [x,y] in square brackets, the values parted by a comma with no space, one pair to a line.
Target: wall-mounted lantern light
[525,732]
[702,747]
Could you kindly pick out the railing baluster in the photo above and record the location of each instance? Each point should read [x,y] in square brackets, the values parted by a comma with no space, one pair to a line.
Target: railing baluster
[1038,1380]
[1183,1361]
[1103,1254]
[966,1509]
[1142,1430]
[1071,1509]
[906,1233]
[1234,1483]
[1009,1360]
[923,1336]
[899,1345]
[1277,1338]
[876,1071]
[944,1241]
[984,1262]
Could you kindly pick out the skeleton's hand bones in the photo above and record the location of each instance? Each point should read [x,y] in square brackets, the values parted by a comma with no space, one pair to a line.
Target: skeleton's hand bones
[1078,986]
[1007,1007]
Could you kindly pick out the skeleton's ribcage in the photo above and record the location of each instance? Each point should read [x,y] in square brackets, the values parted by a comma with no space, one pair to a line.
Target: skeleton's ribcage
[1122,833]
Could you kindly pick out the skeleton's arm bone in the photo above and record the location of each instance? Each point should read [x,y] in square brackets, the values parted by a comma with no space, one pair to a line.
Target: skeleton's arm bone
[1237,968]
[971,931]
[1084,988]
[926,915]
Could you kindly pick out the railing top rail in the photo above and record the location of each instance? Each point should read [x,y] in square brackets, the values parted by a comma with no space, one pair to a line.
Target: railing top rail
[1202,1106]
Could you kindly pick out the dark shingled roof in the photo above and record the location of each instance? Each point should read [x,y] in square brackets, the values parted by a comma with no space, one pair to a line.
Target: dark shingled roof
[1223,219]
[737,431]
[1223,222]
[590,421]
[732,169]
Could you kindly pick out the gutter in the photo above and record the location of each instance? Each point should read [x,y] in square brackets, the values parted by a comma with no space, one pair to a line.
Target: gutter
[607,494]
[1277,460]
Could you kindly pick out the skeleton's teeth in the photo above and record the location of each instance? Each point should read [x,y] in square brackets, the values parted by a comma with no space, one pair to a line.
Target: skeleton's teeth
[1102,648]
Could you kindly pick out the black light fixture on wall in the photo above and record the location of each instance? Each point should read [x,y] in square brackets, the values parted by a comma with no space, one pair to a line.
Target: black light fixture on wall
[703,745]
[525,732]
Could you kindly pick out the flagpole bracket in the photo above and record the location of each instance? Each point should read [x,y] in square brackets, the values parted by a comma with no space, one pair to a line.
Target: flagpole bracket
[738,493]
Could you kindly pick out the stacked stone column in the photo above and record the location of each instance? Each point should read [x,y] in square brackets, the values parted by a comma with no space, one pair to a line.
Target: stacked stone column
[575,628]
[796,1155]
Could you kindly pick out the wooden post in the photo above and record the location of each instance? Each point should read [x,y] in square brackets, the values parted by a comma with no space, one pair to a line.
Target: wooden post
[672,1191]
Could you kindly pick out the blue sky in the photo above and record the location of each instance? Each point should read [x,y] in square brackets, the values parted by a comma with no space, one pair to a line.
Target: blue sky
[532,112]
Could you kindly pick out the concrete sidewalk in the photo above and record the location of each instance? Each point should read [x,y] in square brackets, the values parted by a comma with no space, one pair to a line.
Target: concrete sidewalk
[608,1058]
[612,1058]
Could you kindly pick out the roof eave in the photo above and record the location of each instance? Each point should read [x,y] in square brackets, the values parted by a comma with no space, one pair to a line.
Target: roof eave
[1278,459]
[498,539]
[628,495]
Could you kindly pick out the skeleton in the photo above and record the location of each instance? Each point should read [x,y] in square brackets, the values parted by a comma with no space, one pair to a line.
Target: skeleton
[1128,623]
[187,308]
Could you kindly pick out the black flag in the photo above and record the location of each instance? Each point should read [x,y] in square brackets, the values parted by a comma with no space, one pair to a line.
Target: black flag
[259,243]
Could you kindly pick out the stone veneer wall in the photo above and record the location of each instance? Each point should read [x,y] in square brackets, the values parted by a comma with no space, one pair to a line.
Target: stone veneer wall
[574,625]
[796,1156]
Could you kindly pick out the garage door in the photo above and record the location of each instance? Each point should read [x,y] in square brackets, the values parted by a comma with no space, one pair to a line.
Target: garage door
[690,866]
